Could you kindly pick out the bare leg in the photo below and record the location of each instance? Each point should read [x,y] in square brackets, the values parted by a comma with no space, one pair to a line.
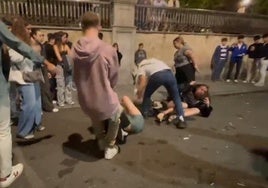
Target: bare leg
[191,112]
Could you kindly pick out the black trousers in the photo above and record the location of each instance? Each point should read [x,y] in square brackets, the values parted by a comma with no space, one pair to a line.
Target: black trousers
[238,62]
[47,104]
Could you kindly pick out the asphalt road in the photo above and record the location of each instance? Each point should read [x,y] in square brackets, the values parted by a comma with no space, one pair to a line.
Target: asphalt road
[229,149]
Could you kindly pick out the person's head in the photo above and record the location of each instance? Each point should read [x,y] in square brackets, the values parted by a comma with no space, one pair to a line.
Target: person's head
[61,38]
[90,22]
[51,38]
[178,42]
[115,45]
[265,38]
[257,39]
[19,29]
[241,38]
[224,41]
[201,91]
[67,36]
[37,35]
[141,46]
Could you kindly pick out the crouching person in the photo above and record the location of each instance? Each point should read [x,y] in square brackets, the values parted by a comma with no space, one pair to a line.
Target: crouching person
[158,74]
[96,74]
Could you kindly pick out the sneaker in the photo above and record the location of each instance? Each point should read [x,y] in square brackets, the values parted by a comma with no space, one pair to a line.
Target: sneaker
[122,136]
[228,80]
[110,152]
[15,173]
[55,110]
[27,137]
[71,103]
[259,84]
[61,105]
[235,81]
[253,82]
[41,128]
[54,102]
[180,124]
[245,81]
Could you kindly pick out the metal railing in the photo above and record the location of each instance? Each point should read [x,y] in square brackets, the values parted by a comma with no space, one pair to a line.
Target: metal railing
[148,18]
[64,13]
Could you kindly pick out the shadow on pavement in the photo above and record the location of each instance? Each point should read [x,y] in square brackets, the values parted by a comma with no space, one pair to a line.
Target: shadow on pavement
[85,151]
[260,161]
[33,141]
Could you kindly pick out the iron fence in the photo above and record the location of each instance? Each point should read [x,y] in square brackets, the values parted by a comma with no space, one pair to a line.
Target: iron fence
[149,18]
[64,13]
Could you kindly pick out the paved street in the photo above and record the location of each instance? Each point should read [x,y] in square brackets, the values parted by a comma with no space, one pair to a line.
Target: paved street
[230,149]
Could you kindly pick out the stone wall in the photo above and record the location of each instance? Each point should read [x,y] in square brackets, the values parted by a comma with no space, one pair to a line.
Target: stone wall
[160,46]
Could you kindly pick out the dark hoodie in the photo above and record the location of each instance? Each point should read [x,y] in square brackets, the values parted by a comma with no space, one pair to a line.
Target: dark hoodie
[95,75]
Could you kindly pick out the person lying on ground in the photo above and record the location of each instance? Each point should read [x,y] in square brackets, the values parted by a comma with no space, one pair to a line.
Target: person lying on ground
[196,101]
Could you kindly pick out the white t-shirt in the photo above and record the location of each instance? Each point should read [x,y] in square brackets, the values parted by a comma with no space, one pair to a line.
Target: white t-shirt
[162,3]
[150,66]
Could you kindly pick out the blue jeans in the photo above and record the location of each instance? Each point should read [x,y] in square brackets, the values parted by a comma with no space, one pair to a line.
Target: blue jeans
[217,69]
[235,61]
[31,109]
[167,79]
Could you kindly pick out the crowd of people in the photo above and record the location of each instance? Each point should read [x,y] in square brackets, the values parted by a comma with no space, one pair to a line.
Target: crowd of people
[255,56]
[41,75]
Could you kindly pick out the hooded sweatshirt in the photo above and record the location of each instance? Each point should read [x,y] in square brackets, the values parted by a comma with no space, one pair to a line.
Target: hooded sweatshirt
[95,75]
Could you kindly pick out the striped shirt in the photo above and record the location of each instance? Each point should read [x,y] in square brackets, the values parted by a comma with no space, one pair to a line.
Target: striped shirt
[223,52]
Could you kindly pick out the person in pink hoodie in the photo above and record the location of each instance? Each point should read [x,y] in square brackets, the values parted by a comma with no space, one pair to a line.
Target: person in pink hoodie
[95,74]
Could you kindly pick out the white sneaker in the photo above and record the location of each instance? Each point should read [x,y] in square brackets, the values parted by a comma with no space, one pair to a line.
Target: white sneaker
[253,82]
[61,105]
[54,102]
[109,153]
[259,84]
[228,80]
[28,137]
[41,128]
[15,173]
[55,110]
[235,81]
[71,103]
[245,81]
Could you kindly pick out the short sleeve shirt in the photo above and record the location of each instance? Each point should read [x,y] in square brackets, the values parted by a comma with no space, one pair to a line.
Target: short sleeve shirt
[180,58]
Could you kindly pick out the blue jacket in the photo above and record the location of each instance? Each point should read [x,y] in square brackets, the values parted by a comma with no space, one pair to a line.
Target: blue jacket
[238,52]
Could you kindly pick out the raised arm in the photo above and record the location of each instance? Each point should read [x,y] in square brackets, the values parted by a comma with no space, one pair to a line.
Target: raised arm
[13,42]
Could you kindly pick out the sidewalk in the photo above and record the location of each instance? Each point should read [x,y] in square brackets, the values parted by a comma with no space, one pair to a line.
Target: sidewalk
[216,89]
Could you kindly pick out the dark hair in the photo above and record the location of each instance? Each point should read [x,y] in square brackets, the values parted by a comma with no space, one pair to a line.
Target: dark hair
[241,37]
[141,44]
[179,39]
[224,39]
[18,28]
[196,86]
[7,21]
[100,35]
[265,35]
[115,44]
[67,34]
[90,20]
[58,38]
[256,37]
[51,36]
[34,31]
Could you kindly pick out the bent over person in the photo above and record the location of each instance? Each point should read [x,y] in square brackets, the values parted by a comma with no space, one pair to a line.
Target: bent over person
[158,74]
[96,74]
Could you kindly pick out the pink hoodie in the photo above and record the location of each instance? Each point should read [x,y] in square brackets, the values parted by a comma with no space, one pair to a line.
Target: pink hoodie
[95,75]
